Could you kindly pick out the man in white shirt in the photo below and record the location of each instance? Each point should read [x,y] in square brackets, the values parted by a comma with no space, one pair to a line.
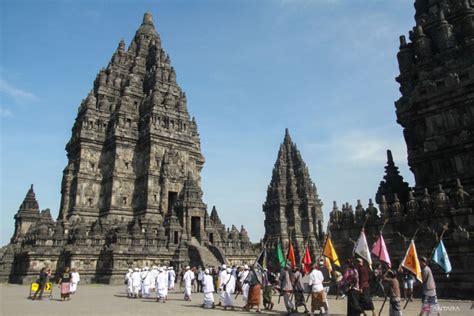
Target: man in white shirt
[318,295]
[75,278]
[136,282]
[128,283]
[146,282]
[245,285]
[200,277]
[222,277]
[161,285]
[188,278]
[227,288]
[153,275]
[208,289]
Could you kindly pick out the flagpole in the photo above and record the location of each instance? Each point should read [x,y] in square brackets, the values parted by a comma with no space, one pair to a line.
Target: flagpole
[386,295]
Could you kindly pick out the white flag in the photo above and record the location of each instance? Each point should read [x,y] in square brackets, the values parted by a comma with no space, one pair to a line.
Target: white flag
[362,249]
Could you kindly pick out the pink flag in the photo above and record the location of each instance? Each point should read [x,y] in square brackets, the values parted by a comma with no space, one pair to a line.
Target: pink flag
[380,250]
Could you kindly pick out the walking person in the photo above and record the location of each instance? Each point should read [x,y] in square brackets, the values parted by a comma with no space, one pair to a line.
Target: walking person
[188,279]
[408,281]
[75,279]
[318,294]
[378,278]
[43,278]
[254,280]
[298,290]
[208,289]
[128,283]
[365,300]
[200,277]
[268,279]
[394,294]
[286,289]
[64,283]
[171,278]
[351,280]
[228,288]
[429,299]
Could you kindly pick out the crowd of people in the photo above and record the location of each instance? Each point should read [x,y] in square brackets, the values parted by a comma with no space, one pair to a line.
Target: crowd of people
[358,283]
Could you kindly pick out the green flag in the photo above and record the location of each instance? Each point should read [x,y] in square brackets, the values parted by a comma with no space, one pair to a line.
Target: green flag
[280,256]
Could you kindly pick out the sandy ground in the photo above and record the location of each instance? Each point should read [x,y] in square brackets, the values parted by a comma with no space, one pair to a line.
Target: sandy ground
[111,300]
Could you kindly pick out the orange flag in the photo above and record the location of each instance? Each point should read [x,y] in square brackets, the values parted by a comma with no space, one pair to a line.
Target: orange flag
[307,261]
[291,256]
[411,263]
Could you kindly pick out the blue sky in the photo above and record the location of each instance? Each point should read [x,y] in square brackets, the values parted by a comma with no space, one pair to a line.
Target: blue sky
[325,69]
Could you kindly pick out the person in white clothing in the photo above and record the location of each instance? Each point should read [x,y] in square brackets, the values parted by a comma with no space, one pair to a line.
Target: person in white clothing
[165,271]
[75,278]
[171,278]
[228,287]
[208,289]
[188,277]
[245,285]
[146,282]
[222,277]
[153,275]
[128,283]
[318,295]
[161,285]
[136,282]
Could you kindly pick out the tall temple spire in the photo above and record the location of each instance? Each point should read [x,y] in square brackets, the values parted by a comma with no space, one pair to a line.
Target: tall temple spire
[292,207]
[392,183]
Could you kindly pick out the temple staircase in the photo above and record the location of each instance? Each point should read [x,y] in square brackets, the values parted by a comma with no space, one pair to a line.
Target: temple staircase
[201,255]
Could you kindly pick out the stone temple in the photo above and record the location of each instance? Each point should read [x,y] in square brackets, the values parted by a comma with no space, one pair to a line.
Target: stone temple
[436,111]
[131,192]
[293,210]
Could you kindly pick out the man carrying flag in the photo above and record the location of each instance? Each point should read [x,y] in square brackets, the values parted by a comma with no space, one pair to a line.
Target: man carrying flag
[429,300]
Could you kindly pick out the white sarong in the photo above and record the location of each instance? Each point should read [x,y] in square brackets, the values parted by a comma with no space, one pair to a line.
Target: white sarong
[208,300]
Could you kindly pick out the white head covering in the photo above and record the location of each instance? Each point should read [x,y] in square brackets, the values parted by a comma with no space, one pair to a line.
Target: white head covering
[136,269]
[224,267]
[164,268]
[229,270]
[187,268]
[206,271]
[160,269]
[130,270]
[246,267]
[170,268]
[155,268]
[145,269]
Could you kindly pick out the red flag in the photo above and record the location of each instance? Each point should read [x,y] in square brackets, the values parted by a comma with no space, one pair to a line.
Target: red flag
[291,256]
[307,261]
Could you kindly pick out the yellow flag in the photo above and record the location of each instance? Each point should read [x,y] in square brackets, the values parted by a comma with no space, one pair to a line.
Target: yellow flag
[330,252]
[411,263]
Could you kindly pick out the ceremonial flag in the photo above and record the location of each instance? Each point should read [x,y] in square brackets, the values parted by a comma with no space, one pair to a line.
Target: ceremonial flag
[440,256]
[330,252]
[362,248]
[261,261]
[411,263]
[307,261]
[380,250]
[280,256]
[291,256]
[327,263]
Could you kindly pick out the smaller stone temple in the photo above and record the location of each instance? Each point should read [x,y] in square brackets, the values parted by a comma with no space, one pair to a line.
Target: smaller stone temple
[131,190]
[428,214]
[293,210]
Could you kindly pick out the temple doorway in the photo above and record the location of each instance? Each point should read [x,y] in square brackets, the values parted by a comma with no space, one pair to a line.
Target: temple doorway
[196,226]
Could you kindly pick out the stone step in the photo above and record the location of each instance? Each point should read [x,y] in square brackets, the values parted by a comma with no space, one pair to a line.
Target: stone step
[207,258]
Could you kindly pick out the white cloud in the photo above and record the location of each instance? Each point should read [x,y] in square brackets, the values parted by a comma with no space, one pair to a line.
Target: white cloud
[20,96]
[361,147]
[5,113]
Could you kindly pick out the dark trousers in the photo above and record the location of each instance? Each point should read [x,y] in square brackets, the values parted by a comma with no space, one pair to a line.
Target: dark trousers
[40,290]
[199,286]
[353,306]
